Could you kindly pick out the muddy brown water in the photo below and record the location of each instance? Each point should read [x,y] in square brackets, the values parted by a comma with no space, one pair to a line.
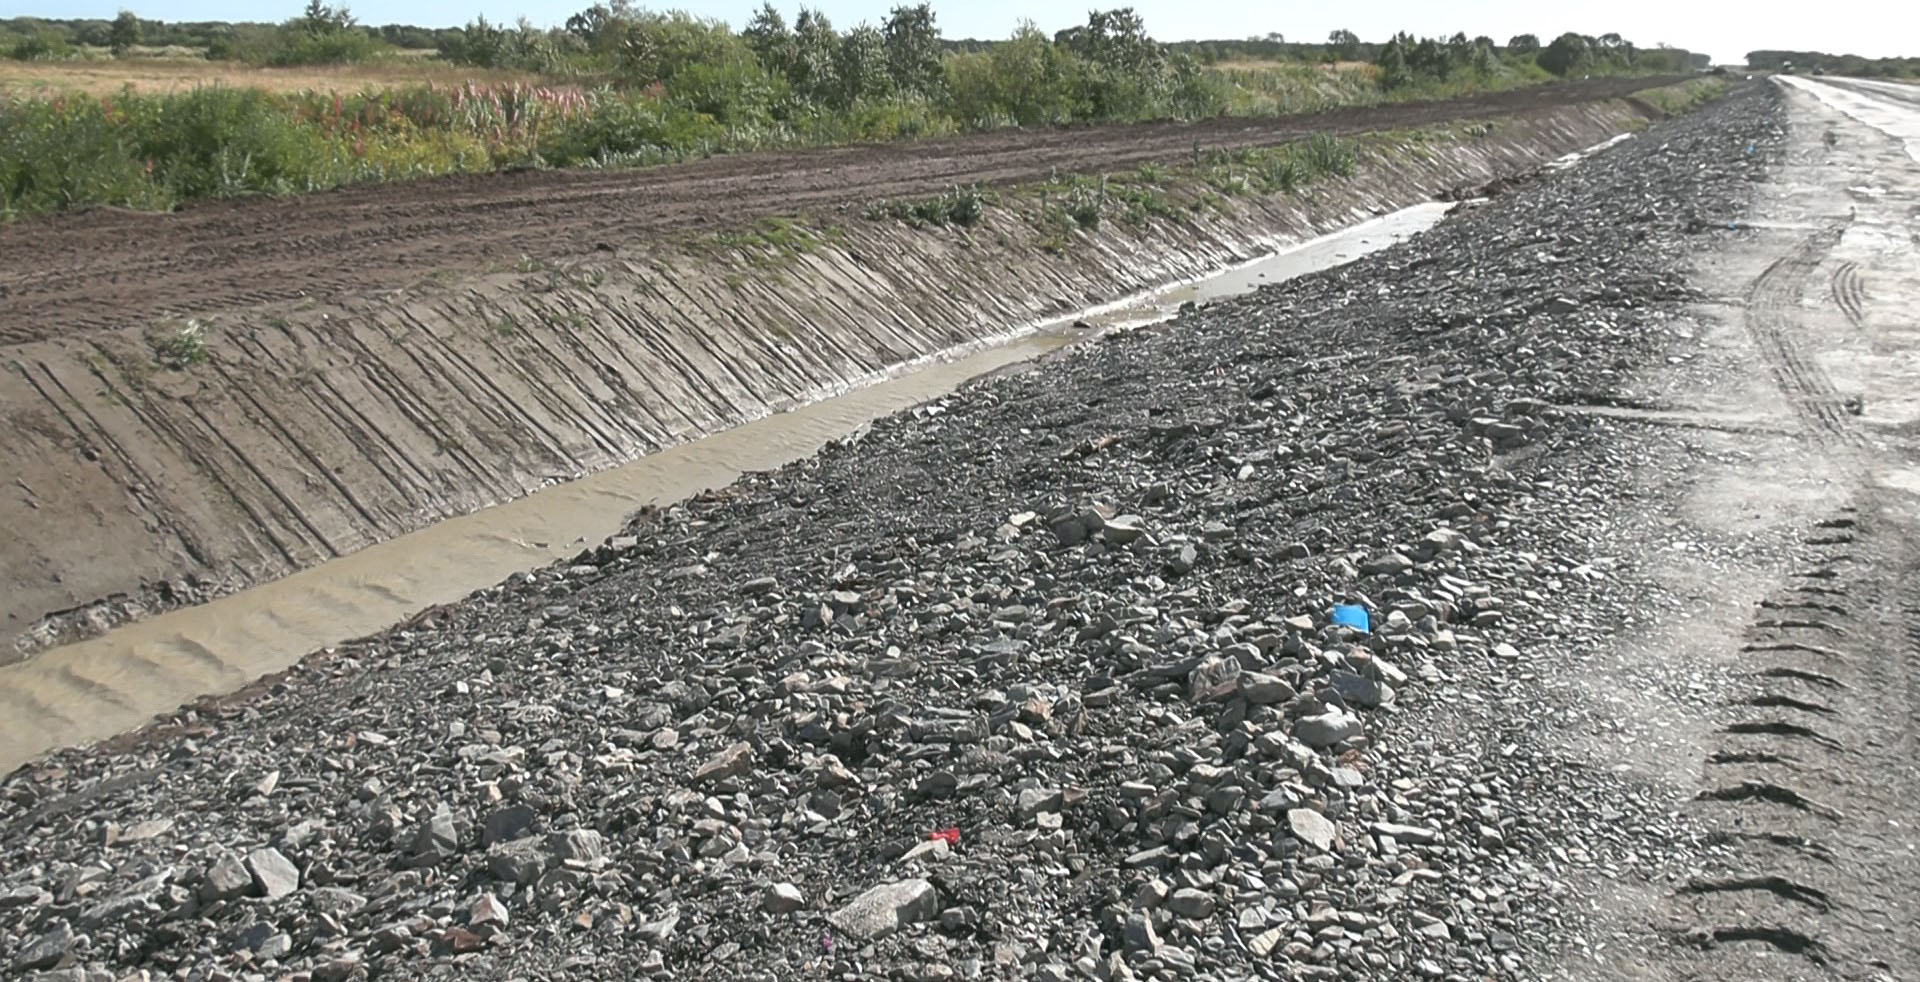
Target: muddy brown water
[118,681]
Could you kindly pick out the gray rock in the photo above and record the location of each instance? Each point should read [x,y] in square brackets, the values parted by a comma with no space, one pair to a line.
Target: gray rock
[732,762]
[1033,801]
[1388,564]
[437,837]
[135,899]
[1138,935]
[338,901]
[1262,944]
[783,898]
[1125,529]
[887,908]
[1328,728]
[226,879]
[932,850]
[508,822]
[1262,690]
[956,919]
[25,896]
[263,940]
[274,875]
[1311,827]
[1361,691]
[487,911]
[46,950]
[581,846]
[1188,902]
[521,861]
[1412,834]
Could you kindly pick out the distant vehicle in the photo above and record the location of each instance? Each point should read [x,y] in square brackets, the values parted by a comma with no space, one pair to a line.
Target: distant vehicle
[1819,71]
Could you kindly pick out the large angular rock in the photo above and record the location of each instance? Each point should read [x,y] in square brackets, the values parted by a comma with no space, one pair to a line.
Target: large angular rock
[734,761]
[507,822]
[1188,902]
[1361,691]
[1311,827]
[1138,934]
[581,846]
[520,861]
[1264,690]
[887,908]
[274,875]
[46,950]
[437,838]
[784,898]
[1328,728]
[226,879]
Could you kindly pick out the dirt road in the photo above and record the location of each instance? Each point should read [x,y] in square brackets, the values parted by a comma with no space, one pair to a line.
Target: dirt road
[110,268]
[1810,767]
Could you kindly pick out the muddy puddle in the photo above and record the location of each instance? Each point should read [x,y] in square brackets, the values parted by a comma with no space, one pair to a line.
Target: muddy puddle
[107,685]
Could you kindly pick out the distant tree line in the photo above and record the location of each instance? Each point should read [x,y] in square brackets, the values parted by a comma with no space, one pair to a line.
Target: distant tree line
[619,36]
[1405,60]
[1806,61]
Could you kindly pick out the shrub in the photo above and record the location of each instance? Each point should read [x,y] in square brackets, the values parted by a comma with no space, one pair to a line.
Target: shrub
[348,46]
[954,206]
[41,45]
[1085,205]
[1325,153]
[182,348]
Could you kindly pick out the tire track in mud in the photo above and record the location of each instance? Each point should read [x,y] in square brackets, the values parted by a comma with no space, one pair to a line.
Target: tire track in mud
[1771,320]
[1849,294]
[1806,793]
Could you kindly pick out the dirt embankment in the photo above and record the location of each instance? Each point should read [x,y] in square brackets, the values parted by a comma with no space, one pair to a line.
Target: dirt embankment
[361,364]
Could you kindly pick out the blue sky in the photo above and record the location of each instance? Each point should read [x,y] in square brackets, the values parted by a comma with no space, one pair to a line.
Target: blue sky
[1727,30]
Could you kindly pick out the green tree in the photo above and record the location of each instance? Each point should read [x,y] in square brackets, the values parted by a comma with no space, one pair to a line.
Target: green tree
[1485,59]
[771,41]
[1114,39]
[481,44]
[815,49]
[124,34]
[1523,44]
[1392,61]
[1568,53]
[657,47]
[320,20]
[1343,45]
[913,49]
[860,65]
[1033,82]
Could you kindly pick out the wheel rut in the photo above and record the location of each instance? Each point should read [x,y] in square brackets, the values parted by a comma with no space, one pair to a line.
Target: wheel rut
[1809,789]
[1772,321]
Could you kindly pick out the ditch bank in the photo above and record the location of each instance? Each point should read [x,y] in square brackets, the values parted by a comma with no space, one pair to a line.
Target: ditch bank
[166,465]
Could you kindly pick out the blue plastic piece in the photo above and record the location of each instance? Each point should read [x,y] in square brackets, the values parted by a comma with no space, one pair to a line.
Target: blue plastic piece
[1353,616]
